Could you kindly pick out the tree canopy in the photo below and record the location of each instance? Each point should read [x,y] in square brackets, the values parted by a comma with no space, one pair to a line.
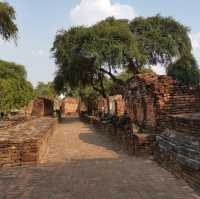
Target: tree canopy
[45,90]
[8,28]
[12,70]
[161,40]
[92,55]
[185,70]
[86,55]
[15,90]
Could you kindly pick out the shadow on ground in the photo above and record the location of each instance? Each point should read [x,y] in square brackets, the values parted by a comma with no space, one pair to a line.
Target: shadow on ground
[104,141]
[92,179]
[69,119]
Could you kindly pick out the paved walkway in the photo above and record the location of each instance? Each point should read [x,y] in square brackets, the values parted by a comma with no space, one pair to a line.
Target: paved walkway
[83,164]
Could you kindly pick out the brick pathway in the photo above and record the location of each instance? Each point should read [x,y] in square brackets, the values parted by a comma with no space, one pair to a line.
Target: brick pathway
[83,164]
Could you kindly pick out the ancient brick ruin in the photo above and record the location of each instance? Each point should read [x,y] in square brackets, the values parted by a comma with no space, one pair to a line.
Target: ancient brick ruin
[42,106]
[149,99]
[165,123]
[25,140]
[70,106]
[177,147]
[162,106]
[116,104]
[26,143]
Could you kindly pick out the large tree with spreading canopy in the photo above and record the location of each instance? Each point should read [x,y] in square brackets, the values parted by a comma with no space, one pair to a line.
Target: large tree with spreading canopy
[90,55]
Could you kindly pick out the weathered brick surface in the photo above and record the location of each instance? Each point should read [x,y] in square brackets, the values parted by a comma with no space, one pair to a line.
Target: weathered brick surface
[70,106]
[42,107]
[116,102]
[178,147]
[13,121]
[149,99]
[26,142]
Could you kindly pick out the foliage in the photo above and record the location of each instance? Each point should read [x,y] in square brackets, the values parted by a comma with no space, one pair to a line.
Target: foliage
[93,56]
[45,90]
[86,56]
[89,96]
[12,70]
[15,90]
[185,70]
[8,28]
[160,40]
[113,87]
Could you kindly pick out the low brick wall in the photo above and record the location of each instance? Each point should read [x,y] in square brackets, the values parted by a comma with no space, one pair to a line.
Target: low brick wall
[135,143]
[178,147]
[26,143]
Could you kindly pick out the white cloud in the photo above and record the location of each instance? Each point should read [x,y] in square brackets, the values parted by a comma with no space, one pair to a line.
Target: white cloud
[195,38]
[87,12]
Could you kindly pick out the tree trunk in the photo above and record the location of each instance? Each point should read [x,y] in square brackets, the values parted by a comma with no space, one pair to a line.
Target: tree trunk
[108,104]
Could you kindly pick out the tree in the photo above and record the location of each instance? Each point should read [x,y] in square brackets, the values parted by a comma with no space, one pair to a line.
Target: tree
[160,40]
[89,96]
[185,70]
[8,28]
[88,56]
[92,55]
[12,70]
[15,90]
[45,90]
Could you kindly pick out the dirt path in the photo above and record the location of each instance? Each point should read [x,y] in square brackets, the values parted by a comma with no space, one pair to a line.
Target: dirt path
[83,164]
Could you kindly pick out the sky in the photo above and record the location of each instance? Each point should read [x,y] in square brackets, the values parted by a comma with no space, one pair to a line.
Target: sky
[38,21]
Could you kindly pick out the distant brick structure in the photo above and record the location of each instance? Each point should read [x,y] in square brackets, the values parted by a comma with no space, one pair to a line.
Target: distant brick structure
[28,109]
[116,105]
[42,107]
[70,106]
[149,99]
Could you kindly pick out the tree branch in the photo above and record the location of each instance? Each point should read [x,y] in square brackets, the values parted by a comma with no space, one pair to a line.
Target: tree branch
[112,76]
[98,90]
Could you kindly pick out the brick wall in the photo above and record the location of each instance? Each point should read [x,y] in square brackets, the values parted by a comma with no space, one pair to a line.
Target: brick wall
[42,107]
[178,147]
[149,99]
[26,143]
[158,104]
[70,106]
[116,102]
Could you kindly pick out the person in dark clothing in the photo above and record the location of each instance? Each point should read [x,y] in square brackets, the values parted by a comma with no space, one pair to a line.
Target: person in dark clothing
[59,114]
[1,116]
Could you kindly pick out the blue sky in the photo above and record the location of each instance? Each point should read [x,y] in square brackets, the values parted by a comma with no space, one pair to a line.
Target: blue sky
[39,20]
